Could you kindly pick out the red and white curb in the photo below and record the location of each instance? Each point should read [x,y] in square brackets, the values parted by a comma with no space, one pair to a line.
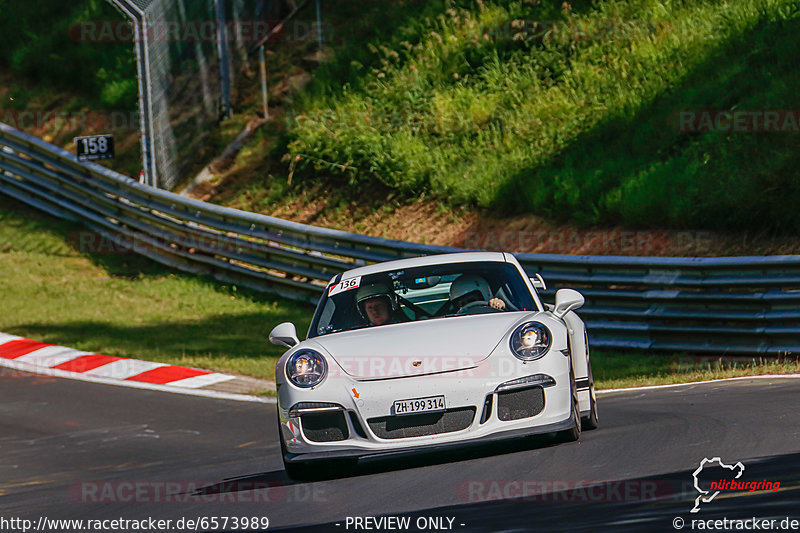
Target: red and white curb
[44,358]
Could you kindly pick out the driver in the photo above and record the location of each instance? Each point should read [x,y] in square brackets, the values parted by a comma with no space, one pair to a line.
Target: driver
[377,304]
[469,288]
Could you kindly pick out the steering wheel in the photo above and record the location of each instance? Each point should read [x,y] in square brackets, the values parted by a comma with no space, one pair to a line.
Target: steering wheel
[473,305]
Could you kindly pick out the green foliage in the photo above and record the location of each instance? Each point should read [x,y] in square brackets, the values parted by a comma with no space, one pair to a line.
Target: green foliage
[566,111]
[42,41]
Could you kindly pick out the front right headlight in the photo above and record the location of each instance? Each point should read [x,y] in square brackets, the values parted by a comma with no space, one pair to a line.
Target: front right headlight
[530,341]
[306,368]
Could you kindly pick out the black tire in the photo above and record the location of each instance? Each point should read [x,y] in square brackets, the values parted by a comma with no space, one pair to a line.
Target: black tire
[319,469]
[590,421]
[574,433]
[298,471]
[295,471]
[308,471]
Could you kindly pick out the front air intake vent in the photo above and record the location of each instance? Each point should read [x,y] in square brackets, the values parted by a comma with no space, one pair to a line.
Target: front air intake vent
[325,427]
[521,403]
[399,427]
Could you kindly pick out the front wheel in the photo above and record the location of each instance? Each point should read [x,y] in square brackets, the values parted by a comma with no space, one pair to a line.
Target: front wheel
[310,471]
[295,471]
[299,471]
[574,433]
[590,421]
[319,470]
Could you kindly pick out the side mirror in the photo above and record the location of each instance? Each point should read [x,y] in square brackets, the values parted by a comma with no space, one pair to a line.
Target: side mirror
[538,282]
[284,335]
[566,301]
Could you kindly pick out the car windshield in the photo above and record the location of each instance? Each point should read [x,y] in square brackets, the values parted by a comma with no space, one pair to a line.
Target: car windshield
[421,293]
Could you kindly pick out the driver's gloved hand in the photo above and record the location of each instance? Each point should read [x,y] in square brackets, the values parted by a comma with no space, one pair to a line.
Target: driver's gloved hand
[497,303]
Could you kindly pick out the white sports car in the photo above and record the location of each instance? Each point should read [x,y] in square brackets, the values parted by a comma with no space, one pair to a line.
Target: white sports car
[429,352]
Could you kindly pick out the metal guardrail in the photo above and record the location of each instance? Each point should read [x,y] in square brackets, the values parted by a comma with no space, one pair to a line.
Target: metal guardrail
[734,305]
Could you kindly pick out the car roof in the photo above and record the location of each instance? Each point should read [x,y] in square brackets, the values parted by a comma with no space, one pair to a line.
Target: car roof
[461,257]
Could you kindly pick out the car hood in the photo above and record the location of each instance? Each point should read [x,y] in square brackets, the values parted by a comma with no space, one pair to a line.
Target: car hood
[416,348]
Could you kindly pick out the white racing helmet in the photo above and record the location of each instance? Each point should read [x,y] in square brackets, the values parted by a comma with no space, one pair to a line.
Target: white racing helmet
[469,283]
[374,290]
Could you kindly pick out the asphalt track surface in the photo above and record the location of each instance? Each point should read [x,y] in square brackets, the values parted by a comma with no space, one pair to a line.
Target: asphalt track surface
[79,450]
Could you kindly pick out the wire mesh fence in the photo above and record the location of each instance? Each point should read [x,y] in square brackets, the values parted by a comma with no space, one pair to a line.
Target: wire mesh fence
[194,60]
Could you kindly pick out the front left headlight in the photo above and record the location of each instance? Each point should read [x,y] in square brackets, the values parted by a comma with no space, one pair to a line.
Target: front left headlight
[530,341]
[306,368]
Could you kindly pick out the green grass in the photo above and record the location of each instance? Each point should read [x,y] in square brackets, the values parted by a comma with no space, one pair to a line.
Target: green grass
[123,305]
[559,109]
[636,369]
[467,102]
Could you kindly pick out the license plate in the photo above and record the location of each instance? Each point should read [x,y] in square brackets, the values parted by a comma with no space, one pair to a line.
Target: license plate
[419,405]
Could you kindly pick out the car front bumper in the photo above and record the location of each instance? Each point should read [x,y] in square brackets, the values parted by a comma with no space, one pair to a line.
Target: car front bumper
[364,401]
[356,453]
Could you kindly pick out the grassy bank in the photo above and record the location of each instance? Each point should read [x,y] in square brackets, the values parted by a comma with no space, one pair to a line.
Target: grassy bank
[569,111]
[566,110]
[56,85]
[123,305]
[638,369]
[41,43]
